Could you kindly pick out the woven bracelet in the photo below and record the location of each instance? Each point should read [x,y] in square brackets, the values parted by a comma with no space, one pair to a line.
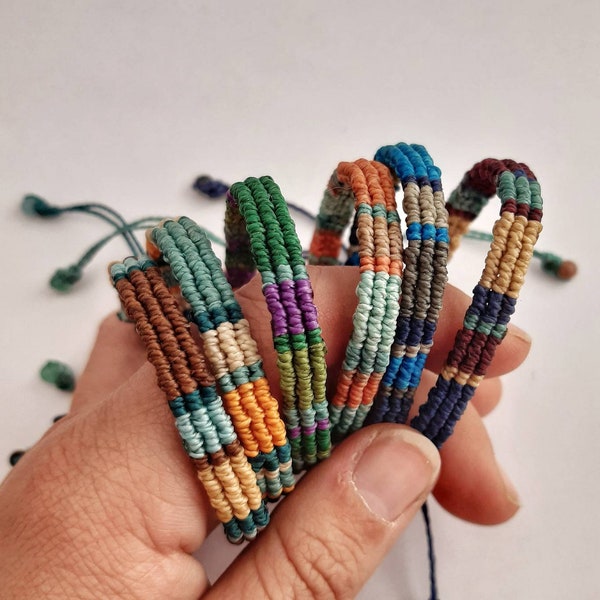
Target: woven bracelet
[424,278]
[230,350]
[495,296]
[204,426]
[366,186]
[257,219]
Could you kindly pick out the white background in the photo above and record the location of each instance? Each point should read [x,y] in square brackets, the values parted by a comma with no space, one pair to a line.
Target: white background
[126,102]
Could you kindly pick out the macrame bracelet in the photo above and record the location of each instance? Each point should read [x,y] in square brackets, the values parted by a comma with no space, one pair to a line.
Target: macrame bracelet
[495,296]
[260,234]
[424,278]
[368,187]
[230,350]
[204,426]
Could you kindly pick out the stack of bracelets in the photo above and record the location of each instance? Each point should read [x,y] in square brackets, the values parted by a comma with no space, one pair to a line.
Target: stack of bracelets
[228,420]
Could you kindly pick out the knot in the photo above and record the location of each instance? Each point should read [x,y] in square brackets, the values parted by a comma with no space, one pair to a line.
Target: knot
[64,279]
[555,265]
[34,205]
[15,457]
[58,374]
[210,187]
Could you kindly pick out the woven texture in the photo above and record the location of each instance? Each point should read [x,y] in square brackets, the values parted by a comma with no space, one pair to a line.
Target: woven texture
[203,424]
[368,188]
[424,278]
[230,350]
[495,296]
[257,218]
[244,451]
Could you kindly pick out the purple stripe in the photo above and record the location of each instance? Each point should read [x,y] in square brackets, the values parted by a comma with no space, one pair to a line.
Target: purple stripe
[305,300]
[288,299]
[310,430]
[294,432]
[278,322]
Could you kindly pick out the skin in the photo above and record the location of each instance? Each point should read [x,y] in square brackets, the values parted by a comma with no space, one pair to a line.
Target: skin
[106,504]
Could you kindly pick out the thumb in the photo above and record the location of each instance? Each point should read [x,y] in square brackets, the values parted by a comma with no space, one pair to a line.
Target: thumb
[327,538]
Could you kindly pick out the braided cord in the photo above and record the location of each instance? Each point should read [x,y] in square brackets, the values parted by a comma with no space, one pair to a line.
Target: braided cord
[230,351]
[424,278]
[277,254]
[335,211]
[369,185]
[495,296]
[204,426]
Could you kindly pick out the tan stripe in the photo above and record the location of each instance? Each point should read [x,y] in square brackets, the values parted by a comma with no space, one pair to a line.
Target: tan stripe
[497,248]
[439,201]
[448,372]
[530,236]
[475,380]
[457,227]
[511,253]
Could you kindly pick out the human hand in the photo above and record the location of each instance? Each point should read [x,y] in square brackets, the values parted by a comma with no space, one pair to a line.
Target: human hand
[107,504]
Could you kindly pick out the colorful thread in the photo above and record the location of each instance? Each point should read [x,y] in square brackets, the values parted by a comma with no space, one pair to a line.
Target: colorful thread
[230,351]
[367,187]
[495,296]
[204,426]
[261,235]
[424,278]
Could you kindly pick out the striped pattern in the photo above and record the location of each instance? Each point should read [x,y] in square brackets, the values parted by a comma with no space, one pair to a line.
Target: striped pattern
[205,428]
[495,296]
[366,186]
[424,278]
[230,350]
[276,252]
[336,209]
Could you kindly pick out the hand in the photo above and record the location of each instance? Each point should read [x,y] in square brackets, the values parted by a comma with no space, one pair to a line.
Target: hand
[107,504]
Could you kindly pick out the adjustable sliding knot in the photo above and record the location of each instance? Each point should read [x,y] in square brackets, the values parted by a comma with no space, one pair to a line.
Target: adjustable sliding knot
[210,187]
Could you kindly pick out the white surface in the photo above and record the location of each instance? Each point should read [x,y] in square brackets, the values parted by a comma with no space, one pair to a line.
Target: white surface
[125,102]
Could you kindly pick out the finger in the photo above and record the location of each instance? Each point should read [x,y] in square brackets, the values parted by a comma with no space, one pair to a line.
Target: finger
[132,429]
[117,354]
[110,490]
[472,485]
[327,538]
[487,396]
[335,298]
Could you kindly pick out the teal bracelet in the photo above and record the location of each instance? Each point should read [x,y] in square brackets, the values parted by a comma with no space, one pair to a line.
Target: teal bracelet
[230,350]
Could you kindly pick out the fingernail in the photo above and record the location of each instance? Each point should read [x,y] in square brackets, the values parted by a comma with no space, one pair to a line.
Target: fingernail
[521,334]
[509,488]
[398,467]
